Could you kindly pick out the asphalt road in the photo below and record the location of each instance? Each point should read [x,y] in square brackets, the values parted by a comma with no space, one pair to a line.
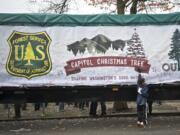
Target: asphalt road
[91,126]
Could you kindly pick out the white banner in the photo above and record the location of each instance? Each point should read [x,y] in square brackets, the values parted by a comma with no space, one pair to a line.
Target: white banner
[88,55]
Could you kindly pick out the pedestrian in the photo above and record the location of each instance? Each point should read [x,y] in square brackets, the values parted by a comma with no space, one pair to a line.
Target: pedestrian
[103,108]
[81,105]
[142,95]
[149,103]
[93,108]
[61,106]
[17,110]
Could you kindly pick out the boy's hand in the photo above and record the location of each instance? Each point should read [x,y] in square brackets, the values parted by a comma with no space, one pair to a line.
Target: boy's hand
[138,69]
[139,90]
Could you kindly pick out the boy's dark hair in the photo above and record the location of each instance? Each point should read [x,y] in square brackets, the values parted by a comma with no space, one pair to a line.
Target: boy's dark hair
[141,81]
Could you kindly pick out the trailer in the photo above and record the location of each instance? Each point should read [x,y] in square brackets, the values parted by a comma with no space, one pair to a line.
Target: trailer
[51,57]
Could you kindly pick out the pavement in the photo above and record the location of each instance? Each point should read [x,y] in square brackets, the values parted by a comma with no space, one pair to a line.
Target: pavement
[93,126]
[74,121]
[52,110]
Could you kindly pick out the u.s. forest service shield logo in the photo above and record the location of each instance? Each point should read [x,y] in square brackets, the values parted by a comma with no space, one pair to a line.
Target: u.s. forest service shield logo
[29,54]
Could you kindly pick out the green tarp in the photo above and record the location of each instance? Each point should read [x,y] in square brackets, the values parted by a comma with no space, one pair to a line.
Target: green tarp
[88,20]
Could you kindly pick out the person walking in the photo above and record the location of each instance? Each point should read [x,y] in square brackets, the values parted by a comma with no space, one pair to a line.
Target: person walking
[93,108]
[142,95]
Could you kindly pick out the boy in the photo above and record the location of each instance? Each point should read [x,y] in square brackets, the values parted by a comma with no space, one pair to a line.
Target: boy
[142,95]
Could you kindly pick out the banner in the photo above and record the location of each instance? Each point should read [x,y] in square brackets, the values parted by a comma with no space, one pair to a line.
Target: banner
[74,66]
[88,55]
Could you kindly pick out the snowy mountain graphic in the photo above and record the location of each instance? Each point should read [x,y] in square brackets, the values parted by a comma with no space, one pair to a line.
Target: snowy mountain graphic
[99,44]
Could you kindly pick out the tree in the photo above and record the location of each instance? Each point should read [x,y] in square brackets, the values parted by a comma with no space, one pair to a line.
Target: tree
[57,7]
[113,6]
[135,47]
[175,48]
[121,5]
[52,6]
[29,54]
[134,6]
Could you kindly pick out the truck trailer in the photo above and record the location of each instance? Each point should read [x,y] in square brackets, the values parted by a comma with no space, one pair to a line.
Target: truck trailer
[52,57]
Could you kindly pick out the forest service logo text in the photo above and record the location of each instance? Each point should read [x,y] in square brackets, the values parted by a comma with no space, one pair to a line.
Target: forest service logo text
[29,54]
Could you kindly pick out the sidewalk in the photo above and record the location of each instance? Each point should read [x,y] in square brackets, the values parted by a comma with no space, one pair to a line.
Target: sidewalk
[70,111]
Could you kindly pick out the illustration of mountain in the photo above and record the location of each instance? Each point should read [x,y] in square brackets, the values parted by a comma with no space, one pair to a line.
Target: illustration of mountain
[98,44]
[102,40]
[118,44]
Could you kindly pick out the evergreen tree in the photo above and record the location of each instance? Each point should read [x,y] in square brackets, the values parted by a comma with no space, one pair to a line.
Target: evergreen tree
[135,47]
[29,54]
[175,48]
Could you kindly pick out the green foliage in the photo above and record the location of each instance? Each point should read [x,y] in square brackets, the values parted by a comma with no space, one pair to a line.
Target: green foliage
[175,47]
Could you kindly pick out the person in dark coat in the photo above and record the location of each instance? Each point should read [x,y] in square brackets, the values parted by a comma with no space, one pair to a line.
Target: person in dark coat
[93,108]
[142,95]
[150,102]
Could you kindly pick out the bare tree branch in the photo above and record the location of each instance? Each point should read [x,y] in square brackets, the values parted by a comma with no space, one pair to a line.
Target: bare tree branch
[120,6]
[56,7]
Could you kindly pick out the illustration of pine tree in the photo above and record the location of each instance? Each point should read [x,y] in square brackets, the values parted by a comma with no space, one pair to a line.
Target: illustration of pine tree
[29,54]
[135,47]
[175,47]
